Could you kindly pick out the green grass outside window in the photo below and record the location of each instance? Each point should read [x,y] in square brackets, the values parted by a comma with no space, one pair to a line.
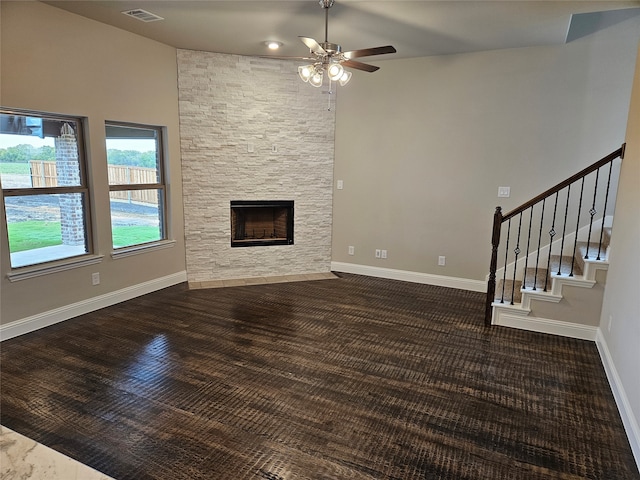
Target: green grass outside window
[37,234]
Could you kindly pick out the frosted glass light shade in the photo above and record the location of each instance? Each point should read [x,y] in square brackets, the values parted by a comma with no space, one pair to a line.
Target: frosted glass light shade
[316,79]
[305,72]
[335,71]
[344,78]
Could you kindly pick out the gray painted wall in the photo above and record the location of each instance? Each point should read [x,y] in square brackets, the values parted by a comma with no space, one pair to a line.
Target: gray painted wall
[57,62]
[423,144]
[620,319]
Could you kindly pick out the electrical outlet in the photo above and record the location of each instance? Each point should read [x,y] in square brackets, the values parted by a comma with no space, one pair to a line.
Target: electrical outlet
[95,278]
[340,184]
[383,254]
[441,260]
[274,148]
[352,250]
[378,253]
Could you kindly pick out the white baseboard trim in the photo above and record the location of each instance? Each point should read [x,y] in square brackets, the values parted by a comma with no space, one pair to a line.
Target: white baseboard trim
[51,317]
[622,401]
[545,325]
[406,276]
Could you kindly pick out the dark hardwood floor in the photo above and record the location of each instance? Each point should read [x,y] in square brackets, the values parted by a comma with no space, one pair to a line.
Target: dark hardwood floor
[353,378]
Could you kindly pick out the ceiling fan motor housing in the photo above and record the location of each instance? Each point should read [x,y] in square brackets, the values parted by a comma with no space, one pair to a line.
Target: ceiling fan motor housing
[331,48]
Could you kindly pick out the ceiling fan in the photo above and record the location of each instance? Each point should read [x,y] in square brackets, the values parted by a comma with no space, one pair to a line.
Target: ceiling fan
[328,57]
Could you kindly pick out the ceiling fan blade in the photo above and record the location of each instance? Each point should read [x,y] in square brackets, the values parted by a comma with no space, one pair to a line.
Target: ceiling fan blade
[367,52]
[312,44]
[276,57]
[359,66]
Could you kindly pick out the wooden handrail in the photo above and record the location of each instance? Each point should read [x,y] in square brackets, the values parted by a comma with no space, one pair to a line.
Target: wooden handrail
[565,183]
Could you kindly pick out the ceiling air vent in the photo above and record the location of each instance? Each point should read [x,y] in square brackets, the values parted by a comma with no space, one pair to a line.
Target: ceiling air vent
[143,15]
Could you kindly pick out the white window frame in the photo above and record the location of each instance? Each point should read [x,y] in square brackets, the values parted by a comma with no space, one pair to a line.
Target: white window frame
[48,266]
[160,185]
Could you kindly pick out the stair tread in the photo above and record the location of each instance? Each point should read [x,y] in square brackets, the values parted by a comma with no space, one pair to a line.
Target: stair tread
[541,277]
[591,249]
[508,289]
[564,267]
[606,237]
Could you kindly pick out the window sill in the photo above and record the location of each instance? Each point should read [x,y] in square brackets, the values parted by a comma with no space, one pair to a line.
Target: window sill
[137,249]
[48,268]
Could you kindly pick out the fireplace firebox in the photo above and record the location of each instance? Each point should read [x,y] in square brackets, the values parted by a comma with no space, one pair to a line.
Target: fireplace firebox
[261,222]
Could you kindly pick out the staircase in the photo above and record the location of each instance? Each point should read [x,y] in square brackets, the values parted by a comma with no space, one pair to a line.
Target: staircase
[554,252]
[518,303]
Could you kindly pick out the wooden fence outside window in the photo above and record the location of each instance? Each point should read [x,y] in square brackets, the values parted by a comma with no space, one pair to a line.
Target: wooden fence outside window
[44,174]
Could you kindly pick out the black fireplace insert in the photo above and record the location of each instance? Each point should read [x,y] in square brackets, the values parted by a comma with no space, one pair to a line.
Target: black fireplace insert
[261,222]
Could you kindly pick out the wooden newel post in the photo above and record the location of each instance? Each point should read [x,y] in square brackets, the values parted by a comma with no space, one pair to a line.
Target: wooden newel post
[491,284]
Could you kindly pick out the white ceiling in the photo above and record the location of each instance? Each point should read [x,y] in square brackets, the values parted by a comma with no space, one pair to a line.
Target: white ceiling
[415,28]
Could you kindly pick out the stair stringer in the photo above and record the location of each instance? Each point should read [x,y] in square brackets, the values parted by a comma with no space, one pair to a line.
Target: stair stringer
[519,315]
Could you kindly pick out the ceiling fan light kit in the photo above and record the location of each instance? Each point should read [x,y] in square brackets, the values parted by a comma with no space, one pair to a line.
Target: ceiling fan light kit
[329,57]
[314,74]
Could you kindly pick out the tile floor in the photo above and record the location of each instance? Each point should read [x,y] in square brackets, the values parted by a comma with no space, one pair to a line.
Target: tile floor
[24,459]
[240,282]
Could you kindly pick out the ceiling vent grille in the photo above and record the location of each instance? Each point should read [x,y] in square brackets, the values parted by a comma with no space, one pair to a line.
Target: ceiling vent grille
[143,15]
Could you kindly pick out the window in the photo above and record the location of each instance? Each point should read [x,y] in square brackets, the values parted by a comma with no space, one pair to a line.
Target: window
[137,188]
[44,189]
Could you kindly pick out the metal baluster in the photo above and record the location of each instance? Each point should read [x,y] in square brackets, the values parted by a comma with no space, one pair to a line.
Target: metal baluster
[535,276]
[526,258]
[552,233]
[592,212]
[506,254]
[575,241]
[564,230]
[604,211]
[515,262]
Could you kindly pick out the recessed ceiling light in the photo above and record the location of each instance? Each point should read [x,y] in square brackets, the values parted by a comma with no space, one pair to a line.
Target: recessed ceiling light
[273,45]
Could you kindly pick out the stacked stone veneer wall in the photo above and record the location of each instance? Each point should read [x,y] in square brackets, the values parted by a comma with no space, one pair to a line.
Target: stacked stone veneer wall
[234,111]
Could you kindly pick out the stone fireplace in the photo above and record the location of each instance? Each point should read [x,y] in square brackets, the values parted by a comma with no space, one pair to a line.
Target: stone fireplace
[261,222]
[250,129]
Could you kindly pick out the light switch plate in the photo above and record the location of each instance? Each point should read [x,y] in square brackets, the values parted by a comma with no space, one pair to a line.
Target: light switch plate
[504,192]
